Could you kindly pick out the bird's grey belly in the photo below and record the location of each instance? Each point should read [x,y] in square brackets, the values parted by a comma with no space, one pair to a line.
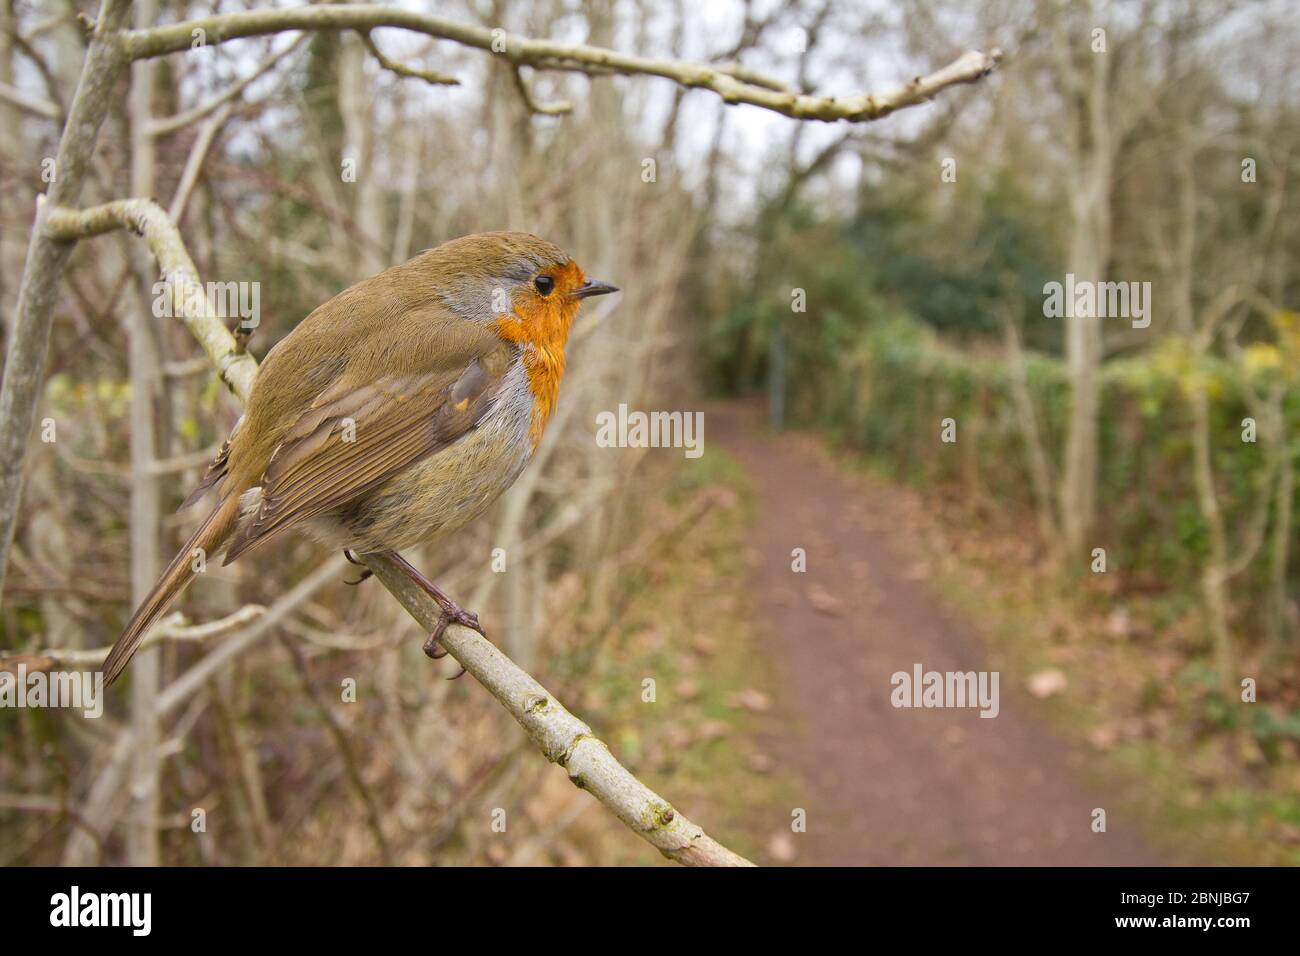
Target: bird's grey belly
[441,493]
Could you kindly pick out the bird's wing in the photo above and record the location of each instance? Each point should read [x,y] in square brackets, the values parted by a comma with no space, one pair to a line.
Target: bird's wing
[217,470]
[355,436]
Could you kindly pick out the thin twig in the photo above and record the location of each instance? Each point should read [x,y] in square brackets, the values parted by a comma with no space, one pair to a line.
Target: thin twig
[194,162]
[535,105]
[433,77]
[29,102]
[170,124]
[171,628]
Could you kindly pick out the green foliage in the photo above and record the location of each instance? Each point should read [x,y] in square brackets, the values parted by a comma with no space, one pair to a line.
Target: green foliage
[951,262]
[903,381]
[946,257]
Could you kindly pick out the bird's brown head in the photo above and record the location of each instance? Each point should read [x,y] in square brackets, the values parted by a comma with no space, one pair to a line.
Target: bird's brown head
[527,290]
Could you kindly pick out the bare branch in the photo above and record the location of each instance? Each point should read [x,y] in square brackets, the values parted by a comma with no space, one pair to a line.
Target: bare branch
[30,103]
[433,77]
[726,82]
[171,628]
[533,104]
[189,301]
[170,124]
[194,162]
[752,77]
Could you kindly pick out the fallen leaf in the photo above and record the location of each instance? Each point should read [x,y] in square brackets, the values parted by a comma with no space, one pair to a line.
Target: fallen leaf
[1118,624]
[824,602]
[1104,737]
[1047,683]
[687,689]
[782,849]
[751,699]
[704,646]
[761,763]
[713,730]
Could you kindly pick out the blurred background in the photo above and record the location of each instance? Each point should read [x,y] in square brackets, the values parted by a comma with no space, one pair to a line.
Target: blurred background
[829,295]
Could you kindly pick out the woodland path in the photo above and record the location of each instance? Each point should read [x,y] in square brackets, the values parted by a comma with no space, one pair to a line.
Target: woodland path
[883,785]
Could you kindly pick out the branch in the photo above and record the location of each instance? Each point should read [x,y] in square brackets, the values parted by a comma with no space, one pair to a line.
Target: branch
[432,77]
[194,162]
[171,628]
[752,77]
[169,124]
[30,103]
[108,784]
[42,67]
[189,301]
[562,737]
[535,105]
[732,84]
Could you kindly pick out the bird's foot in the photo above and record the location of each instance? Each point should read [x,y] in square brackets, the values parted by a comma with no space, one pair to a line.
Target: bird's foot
[365,572]
[451,612]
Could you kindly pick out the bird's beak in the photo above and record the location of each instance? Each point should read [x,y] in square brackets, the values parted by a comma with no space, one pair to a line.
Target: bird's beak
[593,287]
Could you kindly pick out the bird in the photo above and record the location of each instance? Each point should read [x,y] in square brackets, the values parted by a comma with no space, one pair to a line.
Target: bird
[393,414]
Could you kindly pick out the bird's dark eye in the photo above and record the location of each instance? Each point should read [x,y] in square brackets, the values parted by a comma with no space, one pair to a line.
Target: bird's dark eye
[544,284]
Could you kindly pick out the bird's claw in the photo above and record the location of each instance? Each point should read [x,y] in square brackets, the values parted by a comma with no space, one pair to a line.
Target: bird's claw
[433,647]
[365,572]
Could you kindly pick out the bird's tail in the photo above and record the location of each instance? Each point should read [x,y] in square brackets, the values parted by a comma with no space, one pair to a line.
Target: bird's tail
[210,535]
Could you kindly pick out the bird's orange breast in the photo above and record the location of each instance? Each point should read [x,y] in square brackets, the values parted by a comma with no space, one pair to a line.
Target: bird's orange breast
[540,326]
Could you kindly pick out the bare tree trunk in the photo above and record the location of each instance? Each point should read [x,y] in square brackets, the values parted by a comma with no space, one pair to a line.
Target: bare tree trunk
[8,121]
[1279,617]
[142,848]
[1040,469]
[1089,251]
[408,198]
[1081,75]
[1079,471]
[354,107]
[1214,576]
[8,26]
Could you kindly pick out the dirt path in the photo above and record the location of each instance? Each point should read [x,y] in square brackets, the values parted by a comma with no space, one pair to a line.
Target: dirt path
[885,785]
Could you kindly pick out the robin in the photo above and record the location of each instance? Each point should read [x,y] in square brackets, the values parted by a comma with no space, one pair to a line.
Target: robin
[395,413]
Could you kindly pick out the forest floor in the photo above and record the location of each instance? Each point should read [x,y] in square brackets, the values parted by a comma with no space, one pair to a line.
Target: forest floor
[879,784]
